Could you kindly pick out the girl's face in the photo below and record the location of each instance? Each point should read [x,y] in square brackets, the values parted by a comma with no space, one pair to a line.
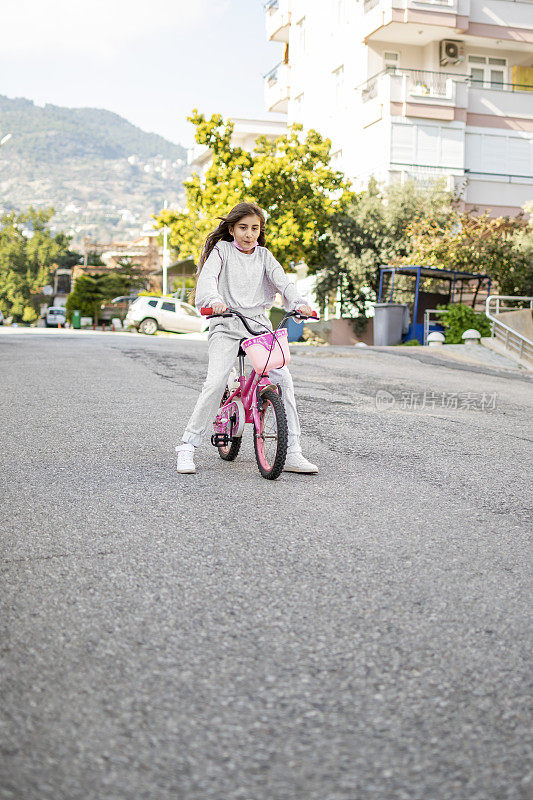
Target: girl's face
[246,231]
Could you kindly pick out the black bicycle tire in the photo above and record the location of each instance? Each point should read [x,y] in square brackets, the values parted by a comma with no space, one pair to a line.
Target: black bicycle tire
[283,435]
[233,451]
[235,446]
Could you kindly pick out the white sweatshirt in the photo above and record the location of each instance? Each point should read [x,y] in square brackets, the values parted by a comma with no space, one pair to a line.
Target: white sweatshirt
[244,281]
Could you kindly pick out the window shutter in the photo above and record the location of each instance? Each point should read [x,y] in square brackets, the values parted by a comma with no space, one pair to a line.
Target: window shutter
[452,147]
[428,149]
[520,161]
[474,154]
[403,150]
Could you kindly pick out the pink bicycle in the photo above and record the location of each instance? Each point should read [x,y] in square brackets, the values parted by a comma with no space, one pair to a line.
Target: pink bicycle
[256,400]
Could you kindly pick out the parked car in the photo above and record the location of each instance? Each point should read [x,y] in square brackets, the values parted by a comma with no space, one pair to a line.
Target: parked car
[55,315]
[149,314]
[1,318]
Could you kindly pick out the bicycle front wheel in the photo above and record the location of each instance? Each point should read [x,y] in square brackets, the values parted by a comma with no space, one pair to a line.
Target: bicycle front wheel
[270,441]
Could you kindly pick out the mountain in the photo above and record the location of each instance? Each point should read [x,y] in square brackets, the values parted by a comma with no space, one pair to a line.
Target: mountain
[102,175]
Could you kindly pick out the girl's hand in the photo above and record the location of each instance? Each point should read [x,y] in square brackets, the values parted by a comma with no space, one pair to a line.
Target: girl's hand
[218,308]
[305,310]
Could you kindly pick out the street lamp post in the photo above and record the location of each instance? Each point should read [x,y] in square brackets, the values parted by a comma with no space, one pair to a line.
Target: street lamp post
[166,256]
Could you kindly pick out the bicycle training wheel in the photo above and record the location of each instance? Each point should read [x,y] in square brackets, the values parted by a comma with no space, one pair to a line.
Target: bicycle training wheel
[270,441]
[231,450]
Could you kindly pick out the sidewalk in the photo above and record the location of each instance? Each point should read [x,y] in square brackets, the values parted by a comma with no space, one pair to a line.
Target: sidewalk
[9,329]
[475,355]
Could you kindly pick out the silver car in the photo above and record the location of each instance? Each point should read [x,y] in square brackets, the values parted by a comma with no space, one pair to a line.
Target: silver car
[149,314]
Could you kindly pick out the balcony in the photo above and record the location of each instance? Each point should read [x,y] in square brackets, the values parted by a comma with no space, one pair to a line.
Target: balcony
[500,19]
[395,20]
[415,93]
[277,20]
[502,105]
[427,20]
[277,88]
[446,97]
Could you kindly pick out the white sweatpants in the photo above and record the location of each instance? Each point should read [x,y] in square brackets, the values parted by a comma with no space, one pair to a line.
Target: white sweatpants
[224,338]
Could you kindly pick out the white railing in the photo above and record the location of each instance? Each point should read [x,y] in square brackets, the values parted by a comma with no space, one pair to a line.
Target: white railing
[422,83]
[417,83]
[427,321]
[276,87]
[516,342]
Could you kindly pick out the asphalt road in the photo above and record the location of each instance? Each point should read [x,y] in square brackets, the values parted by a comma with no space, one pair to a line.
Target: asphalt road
[357,635]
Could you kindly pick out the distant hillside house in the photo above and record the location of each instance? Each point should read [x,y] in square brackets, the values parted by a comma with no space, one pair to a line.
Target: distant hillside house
[144,252]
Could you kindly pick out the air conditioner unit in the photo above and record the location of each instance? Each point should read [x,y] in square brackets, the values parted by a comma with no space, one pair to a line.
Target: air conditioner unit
[451,52]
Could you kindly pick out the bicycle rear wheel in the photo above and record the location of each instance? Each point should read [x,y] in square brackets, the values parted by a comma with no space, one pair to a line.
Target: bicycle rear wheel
[270,441]
[231,450]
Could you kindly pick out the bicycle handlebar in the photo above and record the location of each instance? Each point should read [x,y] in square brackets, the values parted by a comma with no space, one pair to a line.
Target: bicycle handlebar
[207,311]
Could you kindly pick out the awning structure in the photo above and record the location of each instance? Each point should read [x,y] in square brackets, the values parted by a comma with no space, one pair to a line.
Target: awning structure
[455,280]
[420,271]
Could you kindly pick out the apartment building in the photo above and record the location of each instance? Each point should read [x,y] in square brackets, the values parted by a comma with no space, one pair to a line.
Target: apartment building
[413,89]
[245,133]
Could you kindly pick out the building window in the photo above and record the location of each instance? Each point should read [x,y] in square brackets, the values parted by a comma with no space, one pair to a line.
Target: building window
[499,155]
[341,12]
[391,60]
[338,77]
[300,35]
[427,146]
[487,72]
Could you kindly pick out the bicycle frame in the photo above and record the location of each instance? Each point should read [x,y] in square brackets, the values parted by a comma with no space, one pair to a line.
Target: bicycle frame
[247,392]
[250,388]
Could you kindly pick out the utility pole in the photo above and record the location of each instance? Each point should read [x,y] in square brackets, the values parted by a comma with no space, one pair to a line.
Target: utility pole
[166,256]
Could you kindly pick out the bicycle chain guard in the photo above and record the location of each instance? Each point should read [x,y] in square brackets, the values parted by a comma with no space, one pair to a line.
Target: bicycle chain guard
[229,423]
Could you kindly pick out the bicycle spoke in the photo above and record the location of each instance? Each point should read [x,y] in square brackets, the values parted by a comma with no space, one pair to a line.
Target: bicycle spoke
[269,433]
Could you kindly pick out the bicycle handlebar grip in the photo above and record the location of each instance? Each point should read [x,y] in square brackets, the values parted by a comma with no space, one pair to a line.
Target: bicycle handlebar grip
[205,311]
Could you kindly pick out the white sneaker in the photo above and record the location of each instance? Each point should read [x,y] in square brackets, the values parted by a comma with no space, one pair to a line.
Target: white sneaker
[185,458]
[295,462]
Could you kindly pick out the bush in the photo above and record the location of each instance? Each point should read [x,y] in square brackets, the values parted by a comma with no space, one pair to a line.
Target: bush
[29,314]
[460,319]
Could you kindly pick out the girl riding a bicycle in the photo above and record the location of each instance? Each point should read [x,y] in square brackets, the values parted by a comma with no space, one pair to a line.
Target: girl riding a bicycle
[236,271]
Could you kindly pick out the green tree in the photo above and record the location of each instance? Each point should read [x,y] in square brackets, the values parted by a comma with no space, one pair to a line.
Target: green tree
[87,296]
[91,290]
[372,232]
[290,178]
[525,246]
[28,255]
[496,246]
[94,259]
[129,275]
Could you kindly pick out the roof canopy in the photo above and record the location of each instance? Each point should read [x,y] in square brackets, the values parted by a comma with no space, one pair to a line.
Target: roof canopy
[433,272]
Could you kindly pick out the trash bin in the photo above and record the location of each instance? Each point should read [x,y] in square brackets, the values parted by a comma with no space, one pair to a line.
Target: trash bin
[76,319]
[391,320]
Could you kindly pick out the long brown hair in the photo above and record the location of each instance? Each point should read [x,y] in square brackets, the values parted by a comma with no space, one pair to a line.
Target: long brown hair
[221,233]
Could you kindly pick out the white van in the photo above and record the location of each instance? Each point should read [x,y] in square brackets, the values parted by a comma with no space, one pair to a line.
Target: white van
[55,315]
[149,314]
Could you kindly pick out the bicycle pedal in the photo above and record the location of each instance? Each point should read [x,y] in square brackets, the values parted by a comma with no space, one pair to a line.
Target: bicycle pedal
[220,440]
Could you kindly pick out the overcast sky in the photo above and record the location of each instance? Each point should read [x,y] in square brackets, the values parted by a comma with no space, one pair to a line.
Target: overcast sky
[150,62]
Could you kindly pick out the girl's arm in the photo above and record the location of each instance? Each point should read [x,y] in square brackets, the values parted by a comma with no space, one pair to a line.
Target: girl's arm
[278,277]
[207,284]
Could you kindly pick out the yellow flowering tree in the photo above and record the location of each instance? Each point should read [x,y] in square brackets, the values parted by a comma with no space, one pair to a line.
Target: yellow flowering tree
[290,178]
